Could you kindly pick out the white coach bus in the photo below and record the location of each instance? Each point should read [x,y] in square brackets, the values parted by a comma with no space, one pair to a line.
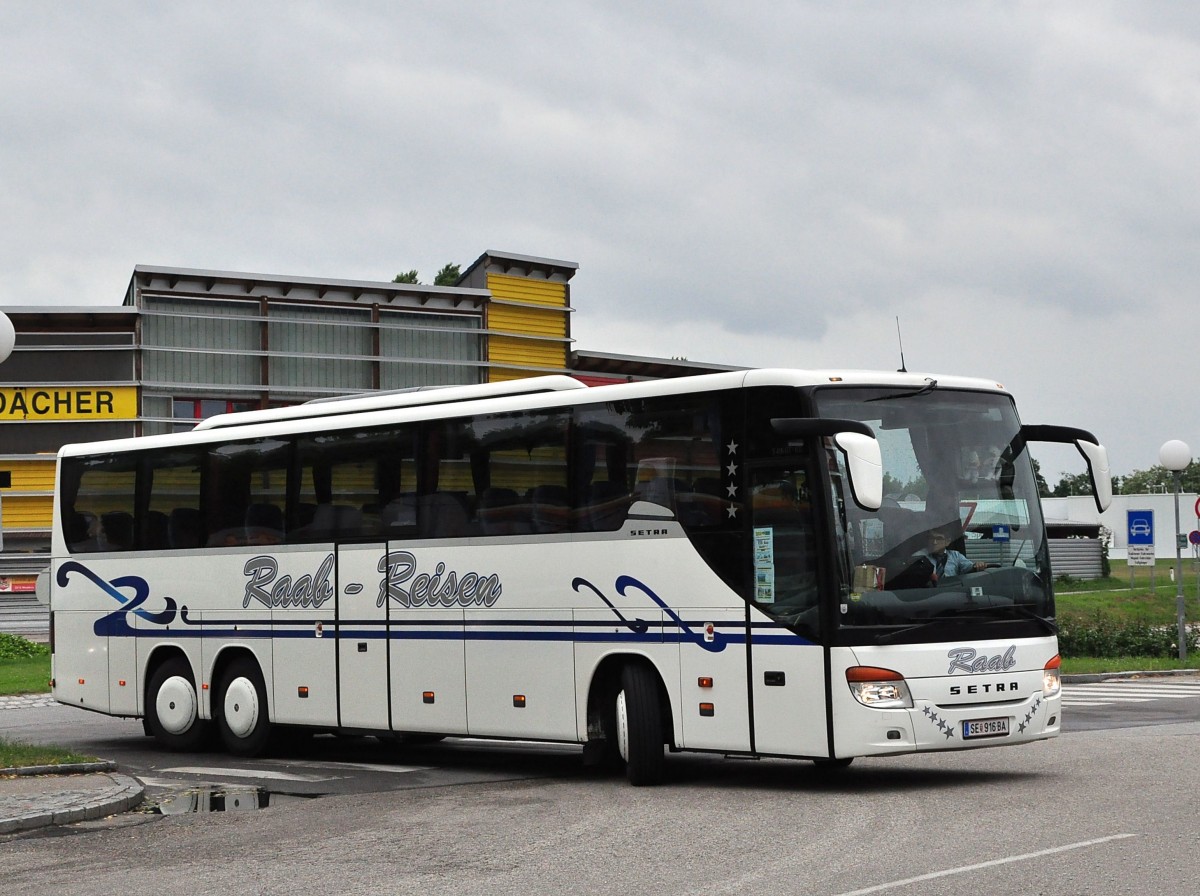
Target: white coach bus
[742,563]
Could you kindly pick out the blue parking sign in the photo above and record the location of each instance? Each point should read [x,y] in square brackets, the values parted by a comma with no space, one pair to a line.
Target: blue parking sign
[1141,526]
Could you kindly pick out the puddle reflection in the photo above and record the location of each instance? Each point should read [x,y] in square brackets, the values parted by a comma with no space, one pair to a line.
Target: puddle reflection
[202,800]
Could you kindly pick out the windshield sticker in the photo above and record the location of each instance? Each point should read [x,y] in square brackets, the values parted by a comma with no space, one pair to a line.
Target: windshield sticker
[764,565]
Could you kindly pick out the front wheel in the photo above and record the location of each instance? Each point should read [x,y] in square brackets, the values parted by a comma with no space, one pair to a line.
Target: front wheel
[639,726]
[242,701]
[173,709]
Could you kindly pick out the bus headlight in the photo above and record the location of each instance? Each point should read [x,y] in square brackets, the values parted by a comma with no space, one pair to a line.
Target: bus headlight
[1051,677]
[879,688]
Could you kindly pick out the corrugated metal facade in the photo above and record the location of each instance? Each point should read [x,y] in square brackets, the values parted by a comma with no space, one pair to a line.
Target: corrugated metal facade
[429,350]
[1079,558]
[317,349]
[527,323]
[191,341]
[28,504]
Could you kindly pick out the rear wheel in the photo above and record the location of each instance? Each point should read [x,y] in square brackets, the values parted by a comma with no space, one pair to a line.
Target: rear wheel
[242,701]
[639,726]
[173,709]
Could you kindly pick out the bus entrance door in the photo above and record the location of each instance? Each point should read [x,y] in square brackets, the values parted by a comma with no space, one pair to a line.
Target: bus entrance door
[362,634]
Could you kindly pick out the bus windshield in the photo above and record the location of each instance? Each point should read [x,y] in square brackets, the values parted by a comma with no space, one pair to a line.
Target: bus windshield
[959,537]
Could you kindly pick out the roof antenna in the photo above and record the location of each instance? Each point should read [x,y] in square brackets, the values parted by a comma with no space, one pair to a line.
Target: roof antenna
[903,367]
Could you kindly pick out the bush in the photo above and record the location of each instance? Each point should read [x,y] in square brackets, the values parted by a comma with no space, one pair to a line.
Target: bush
[1102,635]
[13,647]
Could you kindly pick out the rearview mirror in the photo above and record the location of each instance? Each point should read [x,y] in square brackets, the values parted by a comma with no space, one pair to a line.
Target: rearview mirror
[1095,454]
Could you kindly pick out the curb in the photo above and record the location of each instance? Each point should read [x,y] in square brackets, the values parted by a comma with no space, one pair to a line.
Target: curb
[1093,677]
[122,794]
[65,768]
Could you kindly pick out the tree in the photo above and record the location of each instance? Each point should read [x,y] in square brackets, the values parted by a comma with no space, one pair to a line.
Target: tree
[1077,484]
[1043,487]
[447,276]
[1160,479]
[1156,480]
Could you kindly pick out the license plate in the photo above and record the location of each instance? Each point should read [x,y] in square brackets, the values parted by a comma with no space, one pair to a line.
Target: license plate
[985,728]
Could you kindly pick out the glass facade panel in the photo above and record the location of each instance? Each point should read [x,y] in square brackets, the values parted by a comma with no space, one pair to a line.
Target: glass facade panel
[197,342]
[422,350]
[316,348]
[74,365]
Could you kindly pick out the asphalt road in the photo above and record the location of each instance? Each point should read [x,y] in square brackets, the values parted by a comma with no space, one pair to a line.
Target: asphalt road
[1107,808]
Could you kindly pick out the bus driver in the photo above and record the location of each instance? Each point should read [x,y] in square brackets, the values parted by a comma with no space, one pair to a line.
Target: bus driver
[944,561]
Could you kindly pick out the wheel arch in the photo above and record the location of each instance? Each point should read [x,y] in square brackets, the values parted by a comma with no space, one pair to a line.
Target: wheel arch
[160,654]
[255,738]
[230,654]
[606,683]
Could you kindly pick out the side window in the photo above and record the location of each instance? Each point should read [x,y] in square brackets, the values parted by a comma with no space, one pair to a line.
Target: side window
[664,451]
[98,503]
[784,541]
[602,452]
[446,494]
[245,493]
[173,519]
[355,485]
[521,472]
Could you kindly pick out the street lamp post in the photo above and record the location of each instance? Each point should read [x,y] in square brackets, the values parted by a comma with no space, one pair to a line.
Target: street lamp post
[1175,456]
[8,339]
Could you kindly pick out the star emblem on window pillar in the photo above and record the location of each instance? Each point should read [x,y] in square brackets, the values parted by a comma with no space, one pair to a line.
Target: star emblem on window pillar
[732,511]
[732,490]
[732,447]
[732,469]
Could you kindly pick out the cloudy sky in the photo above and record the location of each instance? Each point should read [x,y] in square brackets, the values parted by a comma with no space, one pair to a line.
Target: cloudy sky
[751,183]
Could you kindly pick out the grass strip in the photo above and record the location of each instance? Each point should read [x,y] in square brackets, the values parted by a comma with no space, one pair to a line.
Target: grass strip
[15,754]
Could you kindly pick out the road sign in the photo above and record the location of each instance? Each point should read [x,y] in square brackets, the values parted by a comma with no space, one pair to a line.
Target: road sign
[1001,533]
[1141,555]
[1194,536]
[1140,526]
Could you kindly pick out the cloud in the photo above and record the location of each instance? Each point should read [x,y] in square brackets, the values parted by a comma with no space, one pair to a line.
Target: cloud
[738,183]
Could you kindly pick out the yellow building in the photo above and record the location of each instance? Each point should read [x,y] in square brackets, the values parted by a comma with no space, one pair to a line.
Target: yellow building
[187,344]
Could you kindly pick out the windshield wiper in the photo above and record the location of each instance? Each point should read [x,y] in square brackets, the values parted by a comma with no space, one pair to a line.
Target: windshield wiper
[1049,624]
[972,614]
[930,385]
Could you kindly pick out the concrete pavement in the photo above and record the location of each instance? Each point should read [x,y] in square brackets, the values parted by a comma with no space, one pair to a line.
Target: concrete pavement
[51,795]
[60,794]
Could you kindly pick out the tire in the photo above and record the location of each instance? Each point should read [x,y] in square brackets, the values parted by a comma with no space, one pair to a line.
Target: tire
[241,710]
[173,709]
[639,726]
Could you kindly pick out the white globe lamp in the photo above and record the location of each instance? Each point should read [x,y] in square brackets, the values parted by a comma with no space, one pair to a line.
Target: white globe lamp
[1175,455]
[8,337]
